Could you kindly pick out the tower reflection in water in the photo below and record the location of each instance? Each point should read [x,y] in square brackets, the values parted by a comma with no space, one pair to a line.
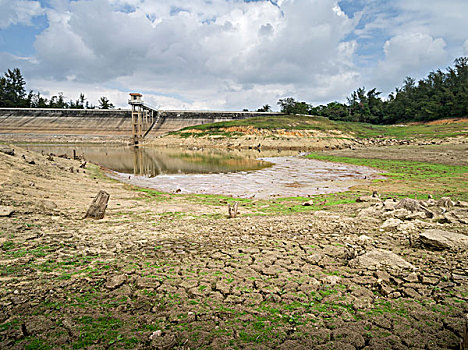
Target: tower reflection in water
[144,164]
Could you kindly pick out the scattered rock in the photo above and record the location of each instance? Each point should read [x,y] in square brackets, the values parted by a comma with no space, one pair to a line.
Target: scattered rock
[391,224]
[378,258]
[440,239]
[308,203]
[6,211]
[445,202]
[7,150]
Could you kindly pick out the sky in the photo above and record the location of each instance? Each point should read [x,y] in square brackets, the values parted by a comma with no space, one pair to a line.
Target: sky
[227,54]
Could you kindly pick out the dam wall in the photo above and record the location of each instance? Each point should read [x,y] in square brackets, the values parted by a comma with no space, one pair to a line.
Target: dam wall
[104,122]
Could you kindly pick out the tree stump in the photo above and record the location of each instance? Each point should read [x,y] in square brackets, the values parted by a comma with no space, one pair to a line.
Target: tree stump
[98,207]
[232,210]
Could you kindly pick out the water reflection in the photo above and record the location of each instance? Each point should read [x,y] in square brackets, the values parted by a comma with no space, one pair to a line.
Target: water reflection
[151,162]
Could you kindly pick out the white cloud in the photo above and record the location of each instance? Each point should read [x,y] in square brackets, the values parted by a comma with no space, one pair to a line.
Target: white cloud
[465,48]
[18,12]
[409,54]
[197,50]
[230,54]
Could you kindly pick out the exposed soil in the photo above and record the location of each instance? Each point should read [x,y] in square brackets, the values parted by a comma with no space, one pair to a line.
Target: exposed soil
[165,271]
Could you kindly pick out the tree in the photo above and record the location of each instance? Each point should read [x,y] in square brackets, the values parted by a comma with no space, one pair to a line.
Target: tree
[12,90]
[290,106]
[265,108]
[104,103]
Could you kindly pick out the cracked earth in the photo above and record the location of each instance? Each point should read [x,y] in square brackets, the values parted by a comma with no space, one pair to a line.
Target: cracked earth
[165,271]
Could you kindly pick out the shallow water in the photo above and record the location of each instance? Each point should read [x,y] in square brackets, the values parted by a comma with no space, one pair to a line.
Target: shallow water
[152,162]
[288,177]
[244,174]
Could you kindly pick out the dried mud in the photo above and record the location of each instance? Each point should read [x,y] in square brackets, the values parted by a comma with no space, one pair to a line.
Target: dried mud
[164,271]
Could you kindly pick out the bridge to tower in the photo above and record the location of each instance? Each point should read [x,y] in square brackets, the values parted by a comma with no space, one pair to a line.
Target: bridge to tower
[144,117]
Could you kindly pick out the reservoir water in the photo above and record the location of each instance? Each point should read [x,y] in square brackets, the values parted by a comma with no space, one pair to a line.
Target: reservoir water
[247,174]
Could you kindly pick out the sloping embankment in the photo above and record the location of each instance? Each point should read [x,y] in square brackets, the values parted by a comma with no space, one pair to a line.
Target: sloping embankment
[102,122]
[65,121]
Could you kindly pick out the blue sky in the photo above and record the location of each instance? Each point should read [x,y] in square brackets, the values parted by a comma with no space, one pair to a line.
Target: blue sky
[227,54]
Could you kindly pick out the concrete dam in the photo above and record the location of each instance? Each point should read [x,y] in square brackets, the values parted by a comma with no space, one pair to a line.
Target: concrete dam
[99,122]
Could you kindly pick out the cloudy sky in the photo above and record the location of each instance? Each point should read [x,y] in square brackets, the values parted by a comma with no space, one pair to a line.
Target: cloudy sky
[227,54]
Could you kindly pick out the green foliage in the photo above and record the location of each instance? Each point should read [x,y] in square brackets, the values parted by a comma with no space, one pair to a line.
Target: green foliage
[265,108]
[12,91]
[104,103]
[13,94]
[440,95]
[290,106]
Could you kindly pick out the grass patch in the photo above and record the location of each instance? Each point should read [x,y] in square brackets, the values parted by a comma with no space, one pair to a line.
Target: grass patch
[411,177]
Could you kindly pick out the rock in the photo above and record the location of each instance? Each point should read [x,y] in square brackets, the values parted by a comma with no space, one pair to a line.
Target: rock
[398,213]
[414,205]
[462,204]
[7,150]
[389,204]
[461,215]
[6,211]
[115,281]
[409,204]
[391,224]
[308,203]
[369,199]
[47,205]
[369,212]
[445,202]
[363,239]
[440,239]
[378,258]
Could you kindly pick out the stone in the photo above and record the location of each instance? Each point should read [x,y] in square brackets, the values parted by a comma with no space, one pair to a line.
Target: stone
[461,215]
[7,150]
[369,212]
[378,258]
[409,204]
[390,224]
[6,211]
[115,281]
[445,202]
[398,214]
[440,239]
[308,203]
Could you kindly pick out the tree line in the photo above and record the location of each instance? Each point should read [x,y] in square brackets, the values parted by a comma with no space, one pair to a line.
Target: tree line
[13,94]
[439,95]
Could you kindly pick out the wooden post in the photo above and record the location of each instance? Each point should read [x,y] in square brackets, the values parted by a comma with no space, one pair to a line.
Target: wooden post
[98,207]
[232,210]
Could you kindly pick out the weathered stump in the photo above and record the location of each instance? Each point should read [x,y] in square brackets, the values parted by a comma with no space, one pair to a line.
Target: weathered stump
[98,207]
[232,210]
